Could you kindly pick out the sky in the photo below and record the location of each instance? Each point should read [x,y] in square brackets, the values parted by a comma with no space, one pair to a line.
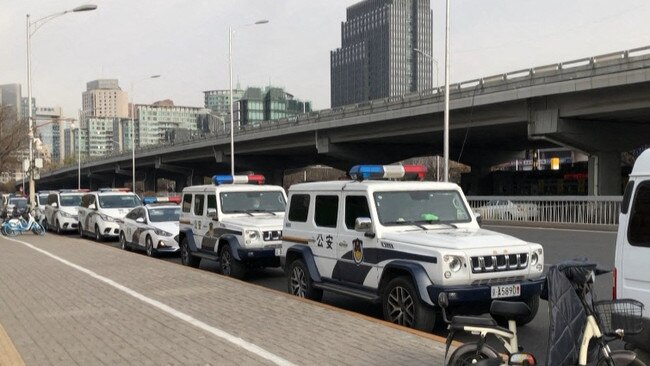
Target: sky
[186,42]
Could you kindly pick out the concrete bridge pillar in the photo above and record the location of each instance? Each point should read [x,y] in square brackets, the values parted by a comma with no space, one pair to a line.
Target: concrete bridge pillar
[605,174]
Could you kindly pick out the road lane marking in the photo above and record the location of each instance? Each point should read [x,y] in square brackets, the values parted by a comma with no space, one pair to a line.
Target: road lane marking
[250,347]
[8,353]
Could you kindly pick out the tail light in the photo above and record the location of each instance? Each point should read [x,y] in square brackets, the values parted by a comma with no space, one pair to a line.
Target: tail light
[614,284]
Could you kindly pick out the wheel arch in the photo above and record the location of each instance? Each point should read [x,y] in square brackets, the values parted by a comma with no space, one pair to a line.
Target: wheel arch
[304,253]
[233,242]
[415,271]
[187,234]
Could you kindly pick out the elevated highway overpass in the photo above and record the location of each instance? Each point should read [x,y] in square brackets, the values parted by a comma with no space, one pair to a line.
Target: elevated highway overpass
[599,105]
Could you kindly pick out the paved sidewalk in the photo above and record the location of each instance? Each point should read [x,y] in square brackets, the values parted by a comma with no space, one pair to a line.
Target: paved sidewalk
[167,314]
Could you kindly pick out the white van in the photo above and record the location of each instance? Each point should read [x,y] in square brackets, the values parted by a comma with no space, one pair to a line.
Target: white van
[632,274]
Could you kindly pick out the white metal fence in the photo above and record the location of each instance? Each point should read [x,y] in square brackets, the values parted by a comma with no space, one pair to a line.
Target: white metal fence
[589,210]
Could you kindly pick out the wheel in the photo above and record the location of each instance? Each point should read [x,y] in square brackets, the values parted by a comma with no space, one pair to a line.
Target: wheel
[533,304]
[402,305]
[81,231]
[45,225]
[151,252]
[186,255]
[57,227]
[299,282]
[230,266]
[467,355]
[10,232]
[38,229]
[98,235]
[123,244]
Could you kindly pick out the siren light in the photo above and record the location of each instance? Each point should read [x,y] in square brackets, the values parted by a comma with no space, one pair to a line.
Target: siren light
[362,172]
[172,199]
[114,190]
[238,179]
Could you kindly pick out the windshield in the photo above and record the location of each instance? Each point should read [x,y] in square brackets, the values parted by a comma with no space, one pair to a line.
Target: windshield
[119,201]
[420,207]
[70,200]
[42,199]
[18,202]
[268,201]
[164,214]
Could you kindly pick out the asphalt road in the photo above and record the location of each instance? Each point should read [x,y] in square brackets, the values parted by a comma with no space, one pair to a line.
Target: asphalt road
[559,245]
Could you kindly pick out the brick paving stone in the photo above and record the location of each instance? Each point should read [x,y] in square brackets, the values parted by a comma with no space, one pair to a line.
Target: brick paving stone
[57,315]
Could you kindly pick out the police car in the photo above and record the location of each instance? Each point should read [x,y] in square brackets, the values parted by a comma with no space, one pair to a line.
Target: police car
[401,244]
[61,210]
[99,212]
[236,221]
[152,227]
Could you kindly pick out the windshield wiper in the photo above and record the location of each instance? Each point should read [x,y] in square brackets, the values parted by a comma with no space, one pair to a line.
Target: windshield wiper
[240,211]
[260,211]
[406,223]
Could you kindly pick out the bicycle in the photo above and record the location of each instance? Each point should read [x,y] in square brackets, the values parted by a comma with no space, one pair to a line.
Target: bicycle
[19,225]
[602,321]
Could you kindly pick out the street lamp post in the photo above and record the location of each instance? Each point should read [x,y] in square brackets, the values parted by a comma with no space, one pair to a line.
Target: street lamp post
[133,129]
[446,125]
[232,130]
[31,28]
[433,60]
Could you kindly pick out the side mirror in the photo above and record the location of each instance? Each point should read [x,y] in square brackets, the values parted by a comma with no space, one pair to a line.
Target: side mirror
[140,220]
[212,213]
[479,219]
[363,224]
[55,205]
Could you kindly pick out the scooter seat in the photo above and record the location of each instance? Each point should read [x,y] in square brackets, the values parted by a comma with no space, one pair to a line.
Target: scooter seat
[509,309]
[479,321]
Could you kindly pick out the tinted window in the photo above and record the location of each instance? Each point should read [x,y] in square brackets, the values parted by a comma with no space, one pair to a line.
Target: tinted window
[263,201]
[164,214]
[119,201]
[299,208]
[198,204]
[638,233]
[70,200]
[355,206]
[42,199]
[625,205]
[212,201]
[18,202]
[187,202]
[422,207]
[326,210]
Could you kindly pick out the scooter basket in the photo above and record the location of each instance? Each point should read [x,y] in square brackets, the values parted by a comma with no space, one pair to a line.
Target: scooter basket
[623,314]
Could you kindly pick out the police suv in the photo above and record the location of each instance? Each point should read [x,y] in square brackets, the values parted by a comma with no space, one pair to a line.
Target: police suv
[100,211]
[61,210]
[401,244]
[152,227]
[236,221]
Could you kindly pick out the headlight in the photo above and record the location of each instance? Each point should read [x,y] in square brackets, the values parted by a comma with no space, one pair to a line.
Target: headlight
[106,218]
[65,214]
[162,232]
[251,236]
[533,259]
[455,263]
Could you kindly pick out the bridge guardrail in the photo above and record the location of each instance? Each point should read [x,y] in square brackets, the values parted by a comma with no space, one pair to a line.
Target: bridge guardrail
[589,210]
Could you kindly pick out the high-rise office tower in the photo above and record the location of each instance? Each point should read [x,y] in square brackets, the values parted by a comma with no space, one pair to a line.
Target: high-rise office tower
[378,56]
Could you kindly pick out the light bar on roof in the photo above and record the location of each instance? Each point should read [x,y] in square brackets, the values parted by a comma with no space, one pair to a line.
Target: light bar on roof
[114,190]
[363,172]
[238,179]
[172,199]
[74,190]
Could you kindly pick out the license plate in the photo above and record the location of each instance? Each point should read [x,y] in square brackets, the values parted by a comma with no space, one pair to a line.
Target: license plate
[278,251]
[506,291]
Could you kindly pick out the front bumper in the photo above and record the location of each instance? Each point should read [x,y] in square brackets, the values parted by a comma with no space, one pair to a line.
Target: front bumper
[266,257]
[109,229]
[477,295]
[68,223]
[166,244]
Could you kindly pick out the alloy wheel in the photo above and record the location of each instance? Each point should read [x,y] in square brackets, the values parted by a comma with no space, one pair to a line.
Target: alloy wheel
[401,308]
[298,282]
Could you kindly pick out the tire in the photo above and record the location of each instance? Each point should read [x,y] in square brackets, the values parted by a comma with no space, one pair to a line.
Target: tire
[123,244]
[57,227]
[10,232]
[533,304]
[45,225]
[466,354]
[98,236]
[230,266]
[299,282]
[186,255]
[81,231]
[401,305]
[151,252]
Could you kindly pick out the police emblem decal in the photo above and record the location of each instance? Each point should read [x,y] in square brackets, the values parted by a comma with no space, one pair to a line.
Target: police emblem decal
[357,250]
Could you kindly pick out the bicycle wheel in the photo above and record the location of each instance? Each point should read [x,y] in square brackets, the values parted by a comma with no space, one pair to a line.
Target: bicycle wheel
[38,229]
[9,231]
[467,354]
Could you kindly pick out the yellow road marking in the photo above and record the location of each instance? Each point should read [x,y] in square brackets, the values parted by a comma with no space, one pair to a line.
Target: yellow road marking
[9,356]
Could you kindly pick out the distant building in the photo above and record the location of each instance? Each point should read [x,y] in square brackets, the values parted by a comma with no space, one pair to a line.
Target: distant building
[163,121]
[50,130]
[377,58]
[272,103]
[104,98]
[10,96]
[218,101]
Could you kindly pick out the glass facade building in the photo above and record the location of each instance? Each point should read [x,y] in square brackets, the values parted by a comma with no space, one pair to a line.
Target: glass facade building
[271,103]
[377,58]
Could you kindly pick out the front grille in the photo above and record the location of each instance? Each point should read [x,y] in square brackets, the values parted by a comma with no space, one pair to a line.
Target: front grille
[272,235]
[499,263]
[498,281]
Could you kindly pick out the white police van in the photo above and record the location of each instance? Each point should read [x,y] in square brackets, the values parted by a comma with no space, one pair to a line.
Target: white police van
[401,244]
[236,221]
[100,211]
[61,210]
[631,274]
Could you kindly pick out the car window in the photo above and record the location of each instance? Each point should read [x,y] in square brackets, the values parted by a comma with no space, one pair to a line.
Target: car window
[164,214]
[198,204]
[42,199]
[638,232]
[355,206]
[52,199]
[212,201]
[299,208]
[70,200]
[187,202]
[119,201]
[398,208]
[132,215]
[256,201]
[326,211]
[18,202]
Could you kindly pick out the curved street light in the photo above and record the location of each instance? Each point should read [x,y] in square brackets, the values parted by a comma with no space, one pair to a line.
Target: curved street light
[31,28]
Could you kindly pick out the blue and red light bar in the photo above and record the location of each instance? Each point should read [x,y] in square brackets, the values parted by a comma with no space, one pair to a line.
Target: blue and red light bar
[83,190]
[238,179]
[172,199]
[114,190]
[363,172]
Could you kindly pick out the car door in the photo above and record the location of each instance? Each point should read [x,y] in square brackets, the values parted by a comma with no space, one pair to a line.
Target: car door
[197,218]
[636,248]
[50,210]
[84,210]
[323,238]
[356,254]
[139,226]
[210,220]
[129,223]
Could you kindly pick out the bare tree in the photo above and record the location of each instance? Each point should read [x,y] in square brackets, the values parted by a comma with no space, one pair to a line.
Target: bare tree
[13,140]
